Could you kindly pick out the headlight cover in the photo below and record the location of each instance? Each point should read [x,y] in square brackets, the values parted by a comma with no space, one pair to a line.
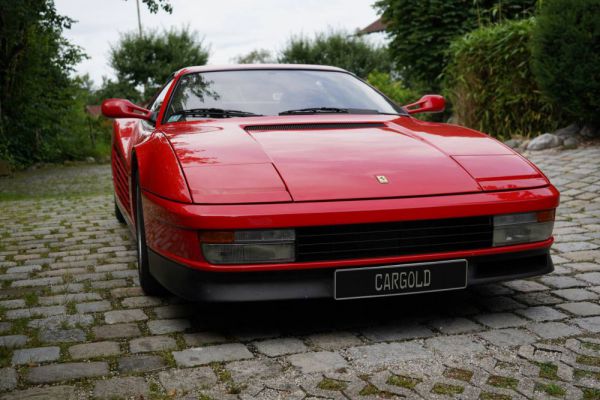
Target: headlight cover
[249,246]
[529,227]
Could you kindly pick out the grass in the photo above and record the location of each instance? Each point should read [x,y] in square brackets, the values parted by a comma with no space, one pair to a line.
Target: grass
[459,374]
[591,394]
[403,381]
[503,382]
[581,374]
[331,384]
[591,346]
[494,396]
[444,388]
[224,376]
[5,356]
[551,388]
[548,370]
[589,360]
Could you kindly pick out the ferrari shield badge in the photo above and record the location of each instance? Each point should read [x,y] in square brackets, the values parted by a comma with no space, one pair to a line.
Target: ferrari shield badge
[382,179]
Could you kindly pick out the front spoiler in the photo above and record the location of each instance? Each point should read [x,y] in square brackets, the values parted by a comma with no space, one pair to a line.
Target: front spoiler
[197,285]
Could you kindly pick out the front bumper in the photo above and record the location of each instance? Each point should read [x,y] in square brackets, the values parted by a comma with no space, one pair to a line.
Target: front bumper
[199,285]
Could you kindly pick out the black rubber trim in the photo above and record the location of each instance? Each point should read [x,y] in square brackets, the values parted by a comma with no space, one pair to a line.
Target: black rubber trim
[199,285]
[312,126]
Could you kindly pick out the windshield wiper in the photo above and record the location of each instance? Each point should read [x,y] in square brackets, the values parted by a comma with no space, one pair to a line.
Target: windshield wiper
[215,112]
[329,110]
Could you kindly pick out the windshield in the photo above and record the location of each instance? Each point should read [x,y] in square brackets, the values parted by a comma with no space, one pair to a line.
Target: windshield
[271,92]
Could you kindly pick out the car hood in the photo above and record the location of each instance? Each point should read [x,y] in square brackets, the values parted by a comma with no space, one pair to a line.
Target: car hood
[326,157]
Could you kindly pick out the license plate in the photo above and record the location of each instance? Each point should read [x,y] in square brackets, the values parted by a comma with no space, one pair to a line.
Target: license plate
[395,280]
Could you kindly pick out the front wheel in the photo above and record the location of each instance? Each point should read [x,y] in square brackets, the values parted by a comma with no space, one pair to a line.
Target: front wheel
[149,284]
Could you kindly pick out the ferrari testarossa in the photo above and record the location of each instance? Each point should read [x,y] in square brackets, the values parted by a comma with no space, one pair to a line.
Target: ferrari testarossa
[262,182]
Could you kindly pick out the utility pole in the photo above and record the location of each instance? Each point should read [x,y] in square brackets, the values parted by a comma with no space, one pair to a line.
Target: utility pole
[137,2]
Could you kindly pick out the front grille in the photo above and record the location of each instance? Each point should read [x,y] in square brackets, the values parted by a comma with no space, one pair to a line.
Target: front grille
[340,242]
[304,127]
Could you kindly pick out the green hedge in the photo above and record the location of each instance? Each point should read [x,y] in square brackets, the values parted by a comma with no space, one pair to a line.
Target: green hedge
[566,56]
[394,89]
[490,83]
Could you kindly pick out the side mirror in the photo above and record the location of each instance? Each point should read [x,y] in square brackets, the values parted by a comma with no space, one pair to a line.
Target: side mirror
[429,103]
[121,108]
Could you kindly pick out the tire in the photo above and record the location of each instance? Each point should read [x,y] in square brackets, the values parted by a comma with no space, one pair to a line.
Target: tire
[149,284]
[118,214]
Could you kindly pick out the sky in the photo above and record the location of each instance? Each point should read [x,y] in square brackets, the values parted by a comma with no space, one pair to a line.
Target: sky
[229,27]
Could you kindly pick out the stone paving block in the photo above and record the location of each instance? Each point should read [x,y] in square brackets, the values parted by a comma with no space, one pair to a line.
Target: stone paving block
[453,326]
[61,335]
[591,324]
[109,284]
[91,350]
[35,312]
[245,370]
[94,306]
[116,331]
[162,326]
[584,308]
[203,338]
[320,361]
[562,282]
[37,282]
[120,316]
[8,379]
[140,301]
[141,363]
[35,355]
[508,337]
[553,330]
[182,381]
[69,297]
[12,341]
[126,292]
[62,321]
[334,340]
[152,343]
[217,353]
[591,277]
[526,286]
[575,294]
[280,346]
[387,353]
[174,311]
[127,387]
[44,393]
[401,331]
[24,268]
[500,320]
[66,371]
[11,304]
[458,344]
[541,313]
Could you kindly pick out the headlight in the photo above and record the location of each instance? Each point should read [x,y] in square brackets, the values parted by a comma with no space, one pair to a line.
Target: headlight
[249,246]
[523,228]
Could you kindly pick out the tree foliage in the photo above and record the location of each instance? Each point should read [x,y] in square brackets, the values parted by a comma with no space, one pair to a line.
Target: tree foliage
[394,89]
[491,85]
[38,99]
[339,49]
[566,56]
[421,31]
[144,63]
[258,56]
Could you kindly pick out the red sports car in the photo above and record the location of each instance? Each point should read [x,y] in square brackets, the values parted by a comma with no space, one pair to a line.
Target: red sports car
[260,182]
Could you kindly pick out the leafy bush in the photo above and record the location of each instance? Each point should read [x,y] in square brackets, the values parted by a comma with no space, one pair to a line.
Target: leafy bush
[339,49]
[490,83]
[394,89]
[422,30]
[566,56]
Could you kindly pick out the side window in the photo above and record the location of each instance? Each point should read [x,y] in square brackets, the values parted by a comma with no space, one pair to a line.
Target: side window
[160,97]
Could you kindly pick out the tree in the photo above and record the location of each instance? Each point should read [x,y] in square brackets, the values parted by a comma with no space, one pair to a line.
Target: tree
[36,92]
[146,61]
[258,56]
[351,52]
[566,57]
[421,31]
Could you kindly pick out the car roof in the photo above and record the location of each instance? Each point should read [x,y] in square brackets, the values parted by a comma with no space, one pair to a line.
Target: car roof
[244,67]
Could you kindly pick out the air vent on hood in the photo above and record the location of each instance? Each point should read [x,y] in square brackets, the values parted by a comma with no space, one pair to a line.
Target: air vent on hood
[302,127]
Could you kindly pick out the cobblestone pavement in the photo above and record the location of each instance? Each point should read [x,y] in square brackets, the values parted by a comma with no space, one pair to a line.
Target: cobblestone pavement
[74,323]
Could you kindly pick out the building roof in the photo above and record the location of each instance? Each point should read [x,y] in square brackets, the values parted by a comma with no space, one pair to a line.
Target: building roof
[376,26]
